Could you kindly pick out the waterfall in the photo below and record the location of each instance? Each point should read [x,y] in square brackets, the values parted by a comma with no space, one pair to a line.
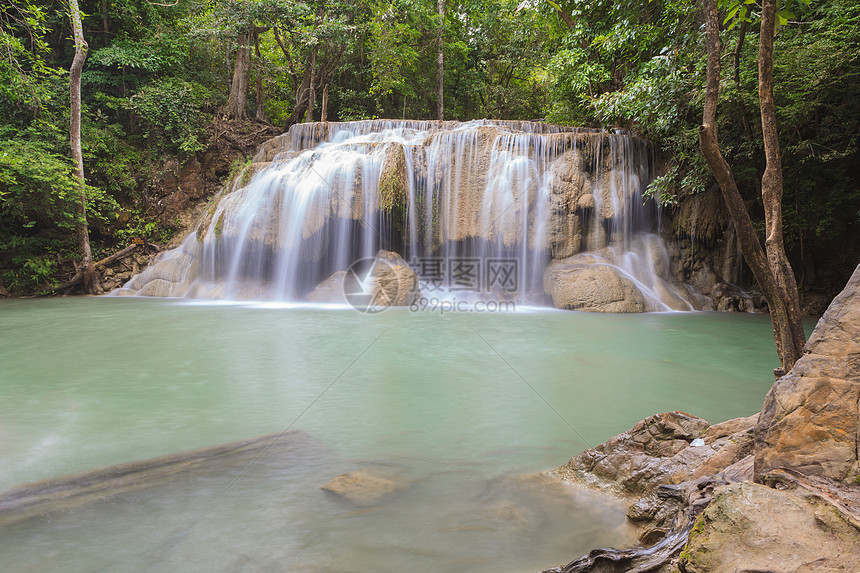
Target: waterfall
[508,209]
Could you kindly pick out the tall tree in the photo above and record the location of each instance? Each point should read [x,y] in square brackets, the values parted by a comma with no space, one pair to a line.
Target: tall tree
[771,192]
[771,271]
[89,276]
[440,64]
[313,43]
[237,102]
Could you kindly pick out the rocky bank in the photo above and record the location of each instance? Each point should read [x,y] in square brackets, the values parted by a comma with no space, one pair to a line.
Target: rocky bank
[776,491]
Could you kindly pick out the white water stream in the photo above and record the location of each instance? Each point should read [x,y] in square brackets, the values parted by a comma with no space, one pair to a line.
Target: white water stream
[455,200]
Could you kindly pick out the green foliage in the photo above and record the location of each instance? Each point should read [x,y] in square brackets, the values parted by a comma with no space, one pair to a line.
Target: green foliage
[241,165]
[155,54]
[172,109]
[140,226]
[39,196]
[392,54]
[818,107]
[156,76]
[32,263]
[36,185]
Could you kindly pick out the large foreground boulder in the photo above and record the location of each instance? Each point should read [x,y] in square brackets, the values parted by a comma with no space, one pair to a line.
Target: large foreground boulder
[810,421]
[750,527]
[803,446]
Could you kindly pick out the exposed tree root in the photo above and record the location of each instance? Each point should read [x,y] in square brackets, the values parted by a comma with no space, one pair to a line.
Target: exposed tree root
[79,273]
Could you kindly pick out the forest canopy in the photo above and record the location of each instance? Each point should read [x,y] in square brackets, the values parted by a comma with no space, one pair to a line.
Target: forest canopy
[160,75]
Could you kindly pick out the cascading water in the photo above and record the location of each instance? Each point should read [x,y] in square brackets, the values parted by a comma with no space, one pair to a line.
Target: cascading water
[513,210]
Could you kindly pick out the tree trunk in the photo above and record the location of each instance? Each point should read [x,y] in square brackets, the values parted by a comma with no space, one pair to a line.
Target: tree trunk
[312,94]
[105,9]
[261,112]
[747,237]
[324,109]
[301,101]
[90,278]
[440,65]
[237,103]
[771,192]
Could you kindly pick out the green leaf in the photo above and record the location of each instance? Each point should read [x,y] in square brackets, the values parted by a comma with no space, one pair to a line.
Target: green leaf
[784,16]
[732,12]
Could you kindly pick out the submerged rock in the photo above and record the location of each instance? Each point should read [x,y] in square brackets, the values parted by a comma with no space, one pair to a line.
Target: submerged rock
[66,492]
[365,486]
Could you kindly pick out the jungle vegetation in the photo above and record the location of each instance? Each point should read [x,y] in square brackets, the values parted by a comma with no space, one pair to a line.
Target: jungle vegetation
[163,80]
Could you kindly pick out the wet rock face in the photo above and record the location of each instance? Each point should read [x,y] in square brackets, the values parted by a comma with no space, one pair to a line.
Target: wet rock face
[330,291]
[658,451]
[656,466]
[751,527]
[578,283]
[492,190]
[393,283]
[811,417]
[593,282]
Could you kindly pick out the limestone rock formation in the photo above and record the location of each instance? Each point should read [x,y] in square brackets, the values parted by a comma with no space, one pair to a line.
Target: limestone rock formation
[666,479]
[811,417]
[655,465]
[615,279]
[330,291]
[314,197]
[584,282]
[658,451]
[392,283]
[751,527]
[393,180]
[803,445]
[365,486]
